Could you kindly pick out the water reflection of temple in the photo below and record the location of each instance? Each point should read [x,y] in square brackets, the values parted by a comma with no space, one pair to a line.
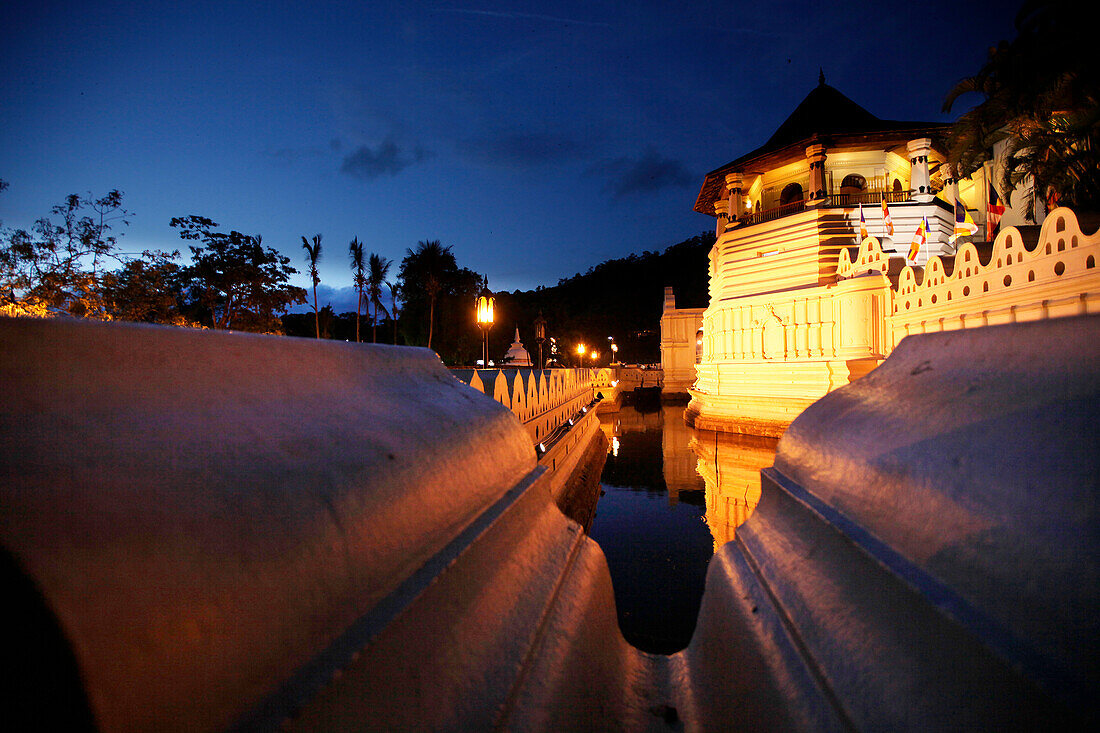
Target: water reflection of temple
[729,465]
[723,467]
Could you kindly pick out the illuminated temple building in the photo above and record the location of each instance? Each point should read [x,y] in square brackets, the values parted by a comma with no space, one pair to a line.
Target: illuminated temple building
[802,303]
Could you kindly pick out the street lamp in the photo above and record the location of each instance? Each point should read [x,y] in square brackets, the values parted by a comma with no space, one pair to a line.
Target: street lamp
[540,336]
[614,353]
[485,305]
[595,356]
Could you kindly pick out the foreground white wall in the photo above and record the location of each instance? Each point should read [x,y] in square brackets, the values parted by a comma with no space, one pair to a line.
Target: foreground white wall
[258,532]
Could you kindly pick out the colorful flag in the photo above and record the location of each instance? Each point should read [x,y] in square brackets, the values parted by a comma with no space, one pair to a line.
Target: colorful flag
[920,237]
[994,211]
[886,220]
[862,224]
[964,225]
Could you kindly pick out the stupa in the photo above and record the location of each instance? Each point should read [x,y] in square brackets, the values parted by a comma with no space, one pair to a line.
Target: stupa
[517,356]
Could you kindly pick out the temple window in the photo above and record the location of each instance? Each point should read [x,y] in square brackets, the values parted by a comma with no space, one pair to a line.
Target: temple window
[853,183]
[791,192]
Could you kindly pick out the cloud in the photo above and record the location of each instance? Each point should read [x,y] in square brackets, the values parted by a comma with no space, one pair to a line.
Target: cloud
[524,149]
[648,173]
[387,158]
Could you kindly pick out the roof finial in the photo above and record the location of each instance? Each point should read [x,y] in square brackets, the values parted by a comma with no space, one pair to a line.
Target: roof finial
[820,77]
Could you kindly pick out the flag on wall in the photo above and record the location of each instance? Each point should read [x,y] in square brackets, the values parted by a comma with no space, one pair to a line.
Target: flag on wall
[994,211]
[862,224]
[964,225]
[887,221]
[920,237]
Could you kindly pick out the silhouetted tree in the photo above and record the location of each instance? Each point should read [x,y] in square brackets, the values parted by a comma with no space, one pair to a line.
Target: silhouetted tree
[58,263]
[148,290]
[1042,96]
[425,269]
[355,249]
[395,292]
[379,268]
[233,280]
[314,252]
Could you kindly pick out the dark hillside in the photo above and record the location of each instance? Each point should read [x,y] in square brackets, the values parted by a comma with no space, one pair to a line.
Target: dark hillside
[620,298]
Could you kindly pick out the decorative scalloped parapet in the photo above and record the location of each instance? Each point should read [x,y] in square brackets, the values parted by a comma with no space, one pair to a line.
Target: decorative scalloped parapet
[1057,277]
[870,258]
[540,400]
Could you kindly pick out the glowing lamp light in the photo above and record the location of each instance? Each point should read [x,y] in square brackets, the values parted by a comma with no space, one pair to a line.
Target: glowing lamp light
[595,355]
[485,308]
[581,349]
[484,312]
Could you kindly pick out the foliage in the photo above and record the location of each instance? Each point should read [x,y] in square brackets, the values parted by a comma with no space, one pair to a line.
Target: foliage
[233,281]
[1042,96]
[314,252]
[148,290]
[355,251]
[432,285]
[379,268]
[59,263]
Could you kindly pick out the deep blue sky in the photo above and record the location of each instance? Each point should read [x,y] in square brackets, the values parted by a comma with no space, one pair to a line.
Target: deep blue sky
[535,138]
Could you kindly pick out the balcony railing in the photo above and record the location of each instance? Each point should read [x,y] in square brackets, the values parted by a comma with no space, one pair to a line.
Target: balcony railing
[835,200]
[866,198]
[777,213]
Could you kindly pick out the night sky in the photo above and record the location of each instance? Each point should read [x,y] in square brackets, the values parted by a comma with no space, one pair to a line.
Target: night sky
[535,138]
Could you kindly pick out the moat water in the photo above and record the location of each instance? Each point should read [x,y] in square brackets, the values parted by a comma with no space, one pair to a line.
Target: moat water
[671,497]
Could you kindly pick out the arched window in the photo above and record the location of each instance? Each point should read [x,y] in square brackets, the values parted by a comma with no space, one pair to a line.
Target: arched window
[897,186]
[853,183]
[699,346]
[791,192]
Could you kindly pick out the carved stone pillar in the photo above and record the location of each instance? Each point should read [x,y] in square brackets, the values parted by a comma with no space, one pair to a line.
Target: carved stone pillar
[816,155]
[722,209]
[920,182]
[734,183]
[950,184]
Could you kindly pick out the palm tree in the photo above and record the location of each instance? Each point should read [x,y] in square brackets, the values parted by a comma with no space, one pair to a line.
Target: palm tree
[379,267]
[431,260]
[395,292]
[314,255]
[1042,97]
[355,249]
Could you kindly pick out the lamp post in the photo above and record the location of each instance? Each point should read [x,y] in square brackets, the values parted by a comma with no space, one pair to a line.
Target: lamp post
[485,304]
[614,353]
[580,354]
[540,336]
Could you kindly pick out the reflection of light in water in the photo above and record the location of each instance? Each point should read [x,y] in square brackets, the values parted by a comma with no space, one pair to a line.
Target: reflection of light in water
[615,447]
[730,466]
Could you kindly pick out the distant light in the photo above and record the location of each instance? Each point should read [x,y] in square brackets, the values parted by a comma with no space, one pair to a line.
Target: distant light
[615,447]
[542,447]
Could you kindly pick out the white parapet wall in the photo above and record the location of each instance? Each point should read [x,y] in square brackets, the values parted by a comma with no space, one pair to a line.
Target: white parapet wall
[769,354]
